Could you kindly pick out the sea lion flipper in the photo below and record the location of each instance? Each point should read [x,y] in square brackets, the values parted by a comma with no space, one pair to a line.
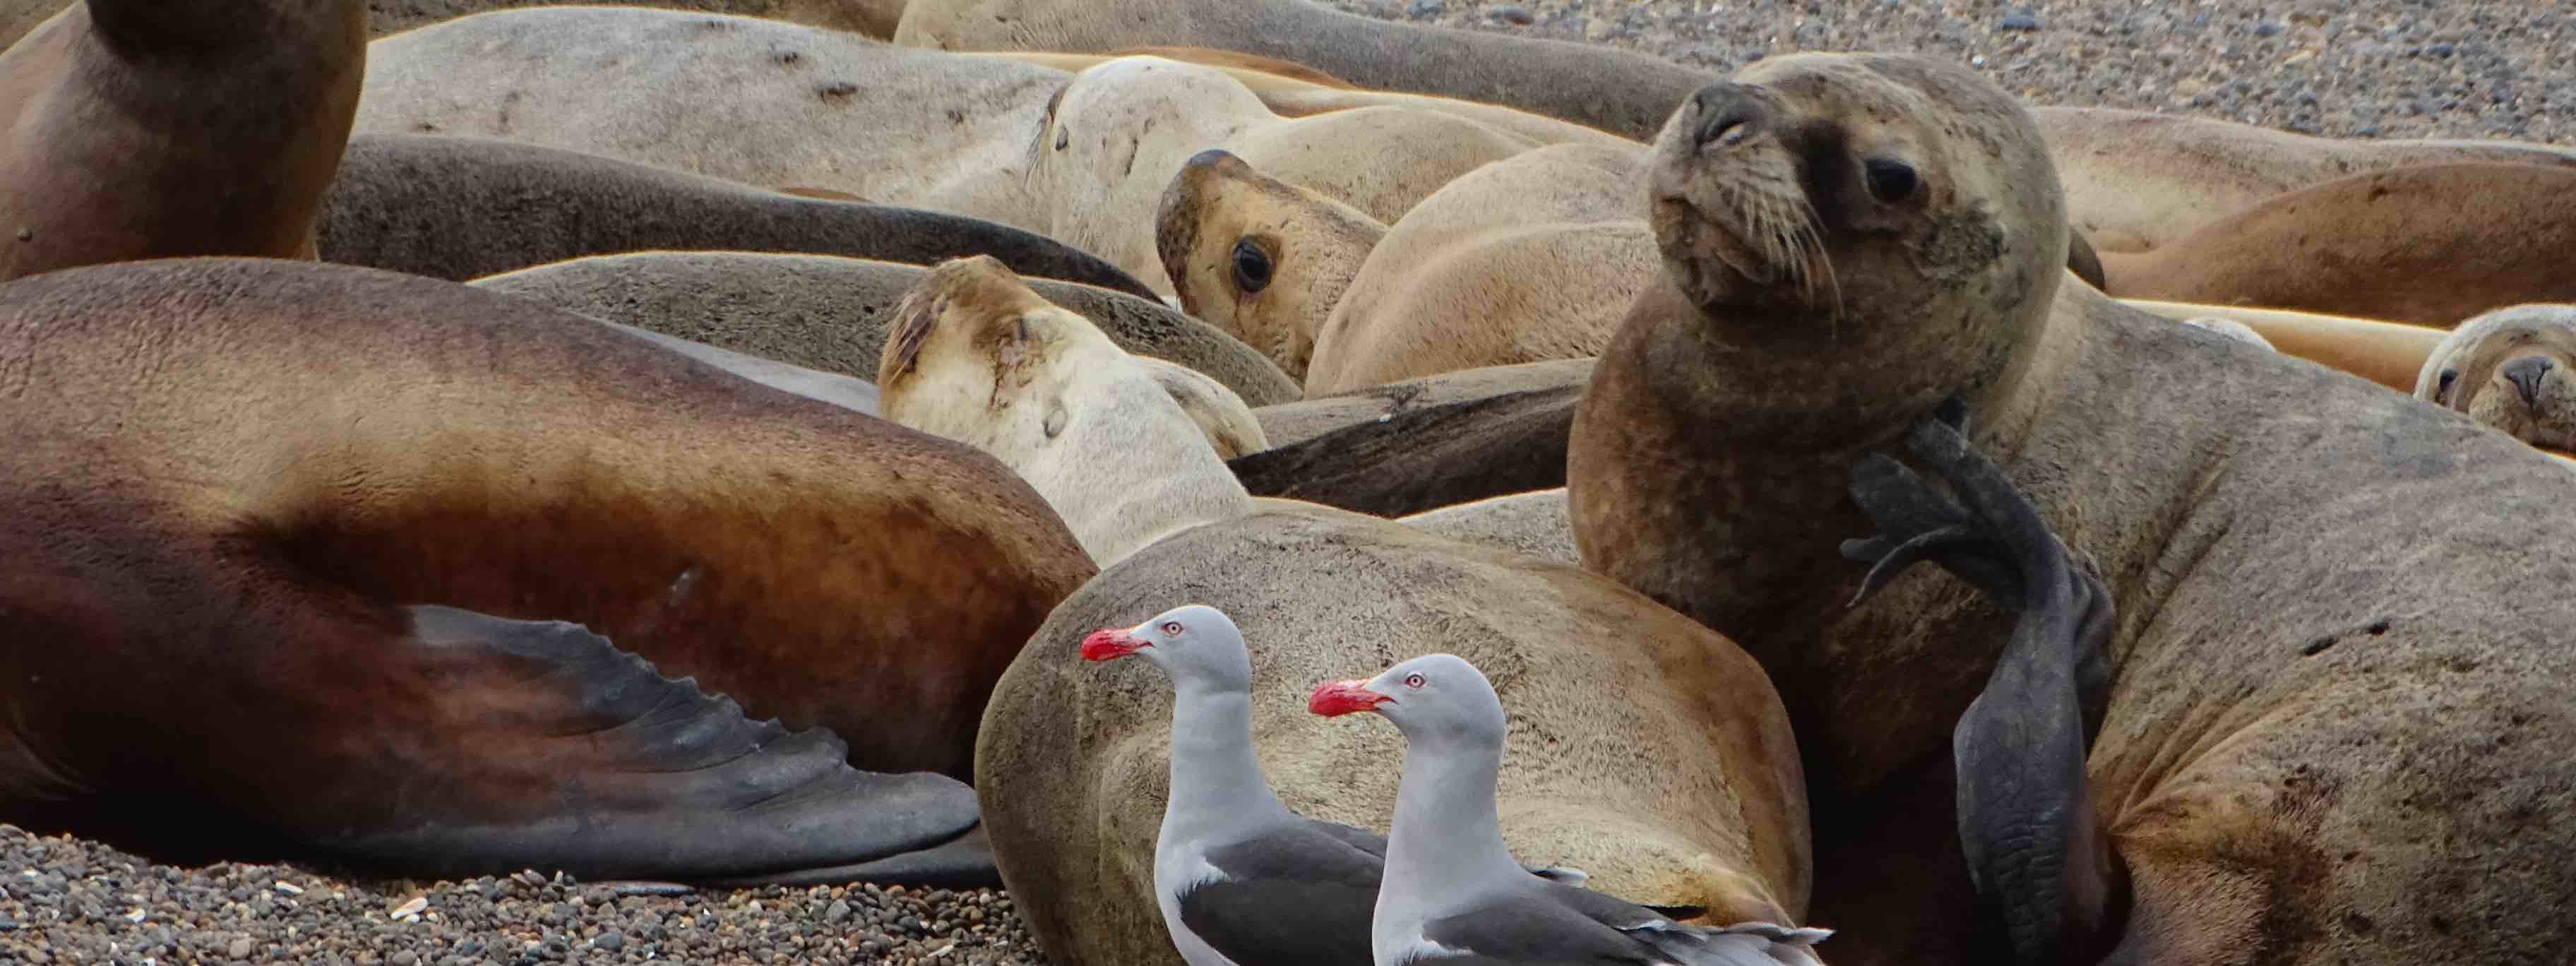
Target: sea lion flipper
[2042,866]
[1919,522]
[560,751]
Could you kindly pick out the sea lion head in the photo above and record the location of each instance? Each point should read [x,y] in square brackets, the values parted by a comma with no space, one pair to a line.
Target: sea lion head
[969,354]
[1262,259]
[1894,220]
[2512,369]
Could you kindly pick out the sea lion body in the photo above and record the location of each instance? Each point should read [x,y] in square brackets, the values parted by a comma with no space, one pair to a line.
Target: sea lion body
[1621,92]
[142,130]
[2289,713]
[2387,353]
[2428,245]
[977,357]
[457,208]
[1528,259]
[1532,524]
[1288,423]
[873,18]
[2512,369]
[2136,181]
[243,484]
[1415,458]
[1680,790]
[831,314]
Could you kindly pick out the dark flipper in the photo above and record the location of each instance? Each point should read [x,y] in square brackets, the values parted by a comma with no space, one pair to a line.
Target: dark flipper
[2045,876]
[546,747]
[2081,260]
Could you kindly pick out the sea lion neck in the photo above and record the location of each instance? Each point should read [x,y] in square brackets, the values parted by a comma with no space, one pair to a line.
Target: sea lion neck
[143,29]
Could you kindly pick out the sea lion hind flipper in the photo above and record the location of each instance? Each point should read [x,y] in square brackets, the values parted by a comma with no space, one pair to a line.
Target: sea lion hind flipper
[2048,885]
[559,751]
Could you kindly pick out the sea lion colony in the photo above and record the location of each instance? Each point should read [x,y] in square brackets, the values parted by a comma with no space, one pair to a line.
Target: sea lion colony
[392,461]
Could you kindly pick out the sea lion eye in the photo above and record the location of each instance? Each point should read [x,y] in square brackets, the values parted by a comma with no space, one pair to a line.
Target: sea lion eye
[1889,181]
[1251,267]
[2442,390]
[1172,628]
[1413,681]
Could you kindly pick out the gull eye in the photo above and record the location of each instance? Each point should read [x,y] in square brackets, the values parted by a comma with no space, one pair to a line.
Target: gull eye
[1889,181]
[1172,628]
[1413,681]
[1251,267]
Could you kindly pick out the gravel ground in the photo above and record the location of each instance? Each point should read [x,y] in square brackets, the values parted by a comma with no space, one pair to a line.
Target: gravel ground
[2385,68]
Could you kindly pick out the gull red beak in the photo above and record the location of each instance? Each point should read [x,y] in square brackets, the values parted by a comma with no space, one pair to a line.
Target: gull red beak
[1110,644]
[1334,698]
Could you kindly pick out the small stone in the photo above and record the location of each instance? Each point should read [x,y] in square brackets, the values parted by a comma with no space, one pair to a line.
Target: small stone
[2440,50]
[1511,15]
[1423,9]
[241,948]
[611,941]
[836,912]
[2267,28]
[404,958]
[2022,19]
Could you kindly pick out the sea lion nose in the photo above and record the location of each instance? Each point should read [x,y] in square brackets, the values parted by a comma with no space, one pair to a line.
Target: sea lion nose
[1727,113]
[2526,373]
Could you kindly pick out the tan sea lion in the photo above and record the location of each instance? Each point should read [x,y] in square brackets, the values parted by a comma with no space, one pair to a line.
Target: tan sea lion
[831,314]
[1220,414]
[133,130]
[2137,180]
[1532,524]
[457,208]
[18,18]
[2513,369]
[1683,791]
[874,18]
[2428,245]
[2387,353]
[291,547]
[1529,259]
[1622,92]
[2229,328]
[2294,666]
[977,357]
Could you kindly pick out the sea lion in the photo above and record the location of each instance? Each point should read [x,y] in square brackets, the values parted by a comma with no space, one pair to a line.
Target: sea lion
[1080,158]
[1533,524]
[2387,353]
[2316,666]
[1262,259]
[1221,415]
[1625,93]
[2429,245]
[977,357]
[20,17]
[457,208]
[1074,762]
[2513,369]
[2230,328]
[133,130]
[2137,180]
[1418,458]
[1296,422]
[291,547]
[874,18]
[831,314]
[1528,259]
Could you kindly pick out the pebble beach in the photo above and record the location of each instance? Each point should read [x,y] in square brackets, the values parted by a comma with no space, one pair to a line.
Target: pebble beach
[2351,68]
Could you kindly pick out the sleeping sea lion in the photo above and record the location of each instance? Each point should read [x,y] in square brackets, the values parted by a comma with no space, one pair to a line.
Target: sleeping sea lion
[2332,612]
[457,208]
[1649,752]
[133,130]
[831,314]
[1625,93]
[977,357]
[293,548]
[2513,369]
[2427,245]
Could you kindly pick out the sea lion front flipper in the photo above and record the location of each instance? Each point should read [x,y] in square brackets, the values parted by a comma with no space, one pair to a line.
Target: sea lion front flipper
[550,748]
[2046,879]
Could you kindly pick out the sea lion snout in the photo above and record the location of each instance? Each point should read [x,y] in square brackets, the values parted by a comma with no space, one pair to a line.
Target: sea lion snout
[2526,373]
[1725,113]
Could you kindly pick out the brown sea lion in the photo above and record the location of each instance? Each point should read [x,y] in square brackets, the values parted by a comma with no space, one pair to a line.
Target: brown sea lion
[133,130]
[457,208]
[1532,524]
[1305,419]
[977,357]
[290,544]
[2513,369]
[1625,93]
[831,314]
[2331,614]
[2428,245]
[1646,751]
[1419,458]
[2137,180]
